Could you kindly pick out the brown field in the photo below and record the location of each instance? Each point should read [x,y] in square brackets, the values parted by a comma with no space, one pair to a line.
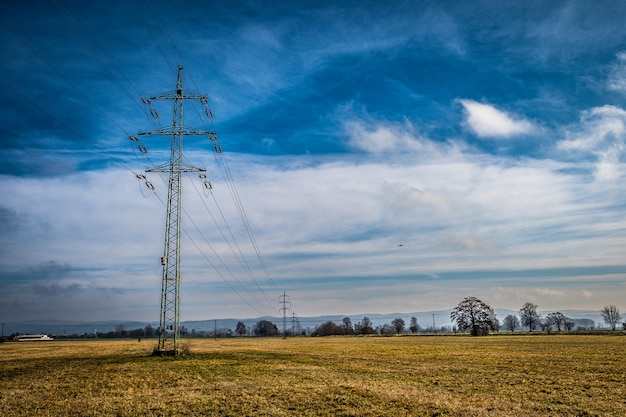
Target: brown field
[337,376]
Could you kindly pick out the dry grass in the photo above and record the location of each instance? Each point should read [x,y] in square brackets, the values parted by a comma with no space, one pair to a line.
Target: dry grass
[373,376]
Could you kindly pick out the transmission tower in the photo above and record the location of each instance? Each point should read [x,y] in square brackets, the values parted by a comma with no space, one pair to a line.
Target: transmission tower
[295,321]
[284,308]
[169,324]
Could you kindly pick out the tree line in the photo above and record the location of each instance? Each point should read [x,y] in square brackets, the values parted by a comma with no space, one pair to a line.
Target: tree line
[556,320]
[471,315]
[475,317]
[478,318]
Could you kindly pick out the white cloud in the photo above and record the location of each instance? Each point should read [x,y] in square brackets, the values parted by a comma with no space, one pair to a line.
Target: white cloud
[333,222]
[408,197]
[382,138]
[487,121]
[401,140]
[468,243]
[597,127]
[549,292]
[601,133]
[617,74]
[609,166]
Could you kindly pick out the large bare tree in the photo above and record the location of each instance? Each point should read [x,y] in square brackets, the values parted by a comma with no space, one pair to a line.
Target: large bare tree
[474,316]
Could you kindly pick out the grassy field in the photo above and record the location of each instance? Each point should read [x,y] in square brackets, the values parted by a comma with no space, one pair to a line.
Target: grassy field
[337,376]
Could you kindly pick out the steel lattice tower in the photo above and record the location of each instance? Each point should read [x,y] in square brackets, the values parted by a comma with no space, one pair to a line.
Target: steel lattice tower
[284,303]
[169,325]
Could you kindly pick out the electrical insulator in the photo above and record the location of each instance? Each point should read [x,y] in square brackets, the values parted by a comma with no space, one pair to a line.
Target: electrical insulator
[163,261]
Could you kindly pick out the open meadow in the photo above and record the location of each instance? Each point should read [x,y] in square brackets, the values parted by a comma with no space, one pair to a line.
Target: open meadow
[539,375]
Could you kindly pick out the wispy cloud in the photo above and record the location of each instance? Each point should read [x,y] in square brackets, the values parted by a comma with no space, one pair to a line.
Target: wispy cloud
[601,133]
[53,290]
[452,209]
[549,292]
[617,75]
[487,121]
[468,243]
[383,138]
[409,155]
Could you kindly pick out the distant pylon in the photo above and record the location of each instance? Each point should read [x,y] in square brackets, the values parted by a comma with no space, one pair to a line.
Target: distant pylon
[294,321]
[169,323]
[284,308]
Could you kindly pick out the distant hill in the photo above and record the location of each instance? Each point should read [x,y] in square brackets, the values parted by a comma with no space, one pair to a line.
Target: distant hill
[70,327]
[425,319]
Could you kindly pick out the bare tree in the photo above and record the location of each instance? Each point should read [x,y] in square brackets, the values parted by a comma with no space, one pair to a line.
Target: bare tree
[265,328]
[611,315]
[398,325]
[557,320]
[241,328]
[328,328]
[414,327]
[386,329]
[347,326]
[511,322]
[148,331]
[546,325]
[120,330]
[364,327]
[529,316]
[474,315]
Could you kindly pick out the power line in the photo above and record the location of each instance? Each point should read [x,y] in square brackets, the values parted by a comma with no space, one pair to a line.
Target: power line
[208,260]
[242,214]
[41,109]
[95,55]
[156,42]
[169,36]
[63,77]
[103,50]
[238,254]
[217,256]
[207,186]
[216,145]
[136,143]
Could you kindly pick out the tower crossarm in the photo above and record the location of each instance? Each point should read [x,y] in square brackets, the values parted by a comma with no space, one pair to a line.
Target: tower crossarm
[185,131]
[177,94]
[183,168]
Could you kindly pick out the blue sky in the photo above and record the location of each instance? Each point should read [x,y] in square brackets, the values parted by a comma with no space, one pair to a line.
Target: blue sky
[390,156]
